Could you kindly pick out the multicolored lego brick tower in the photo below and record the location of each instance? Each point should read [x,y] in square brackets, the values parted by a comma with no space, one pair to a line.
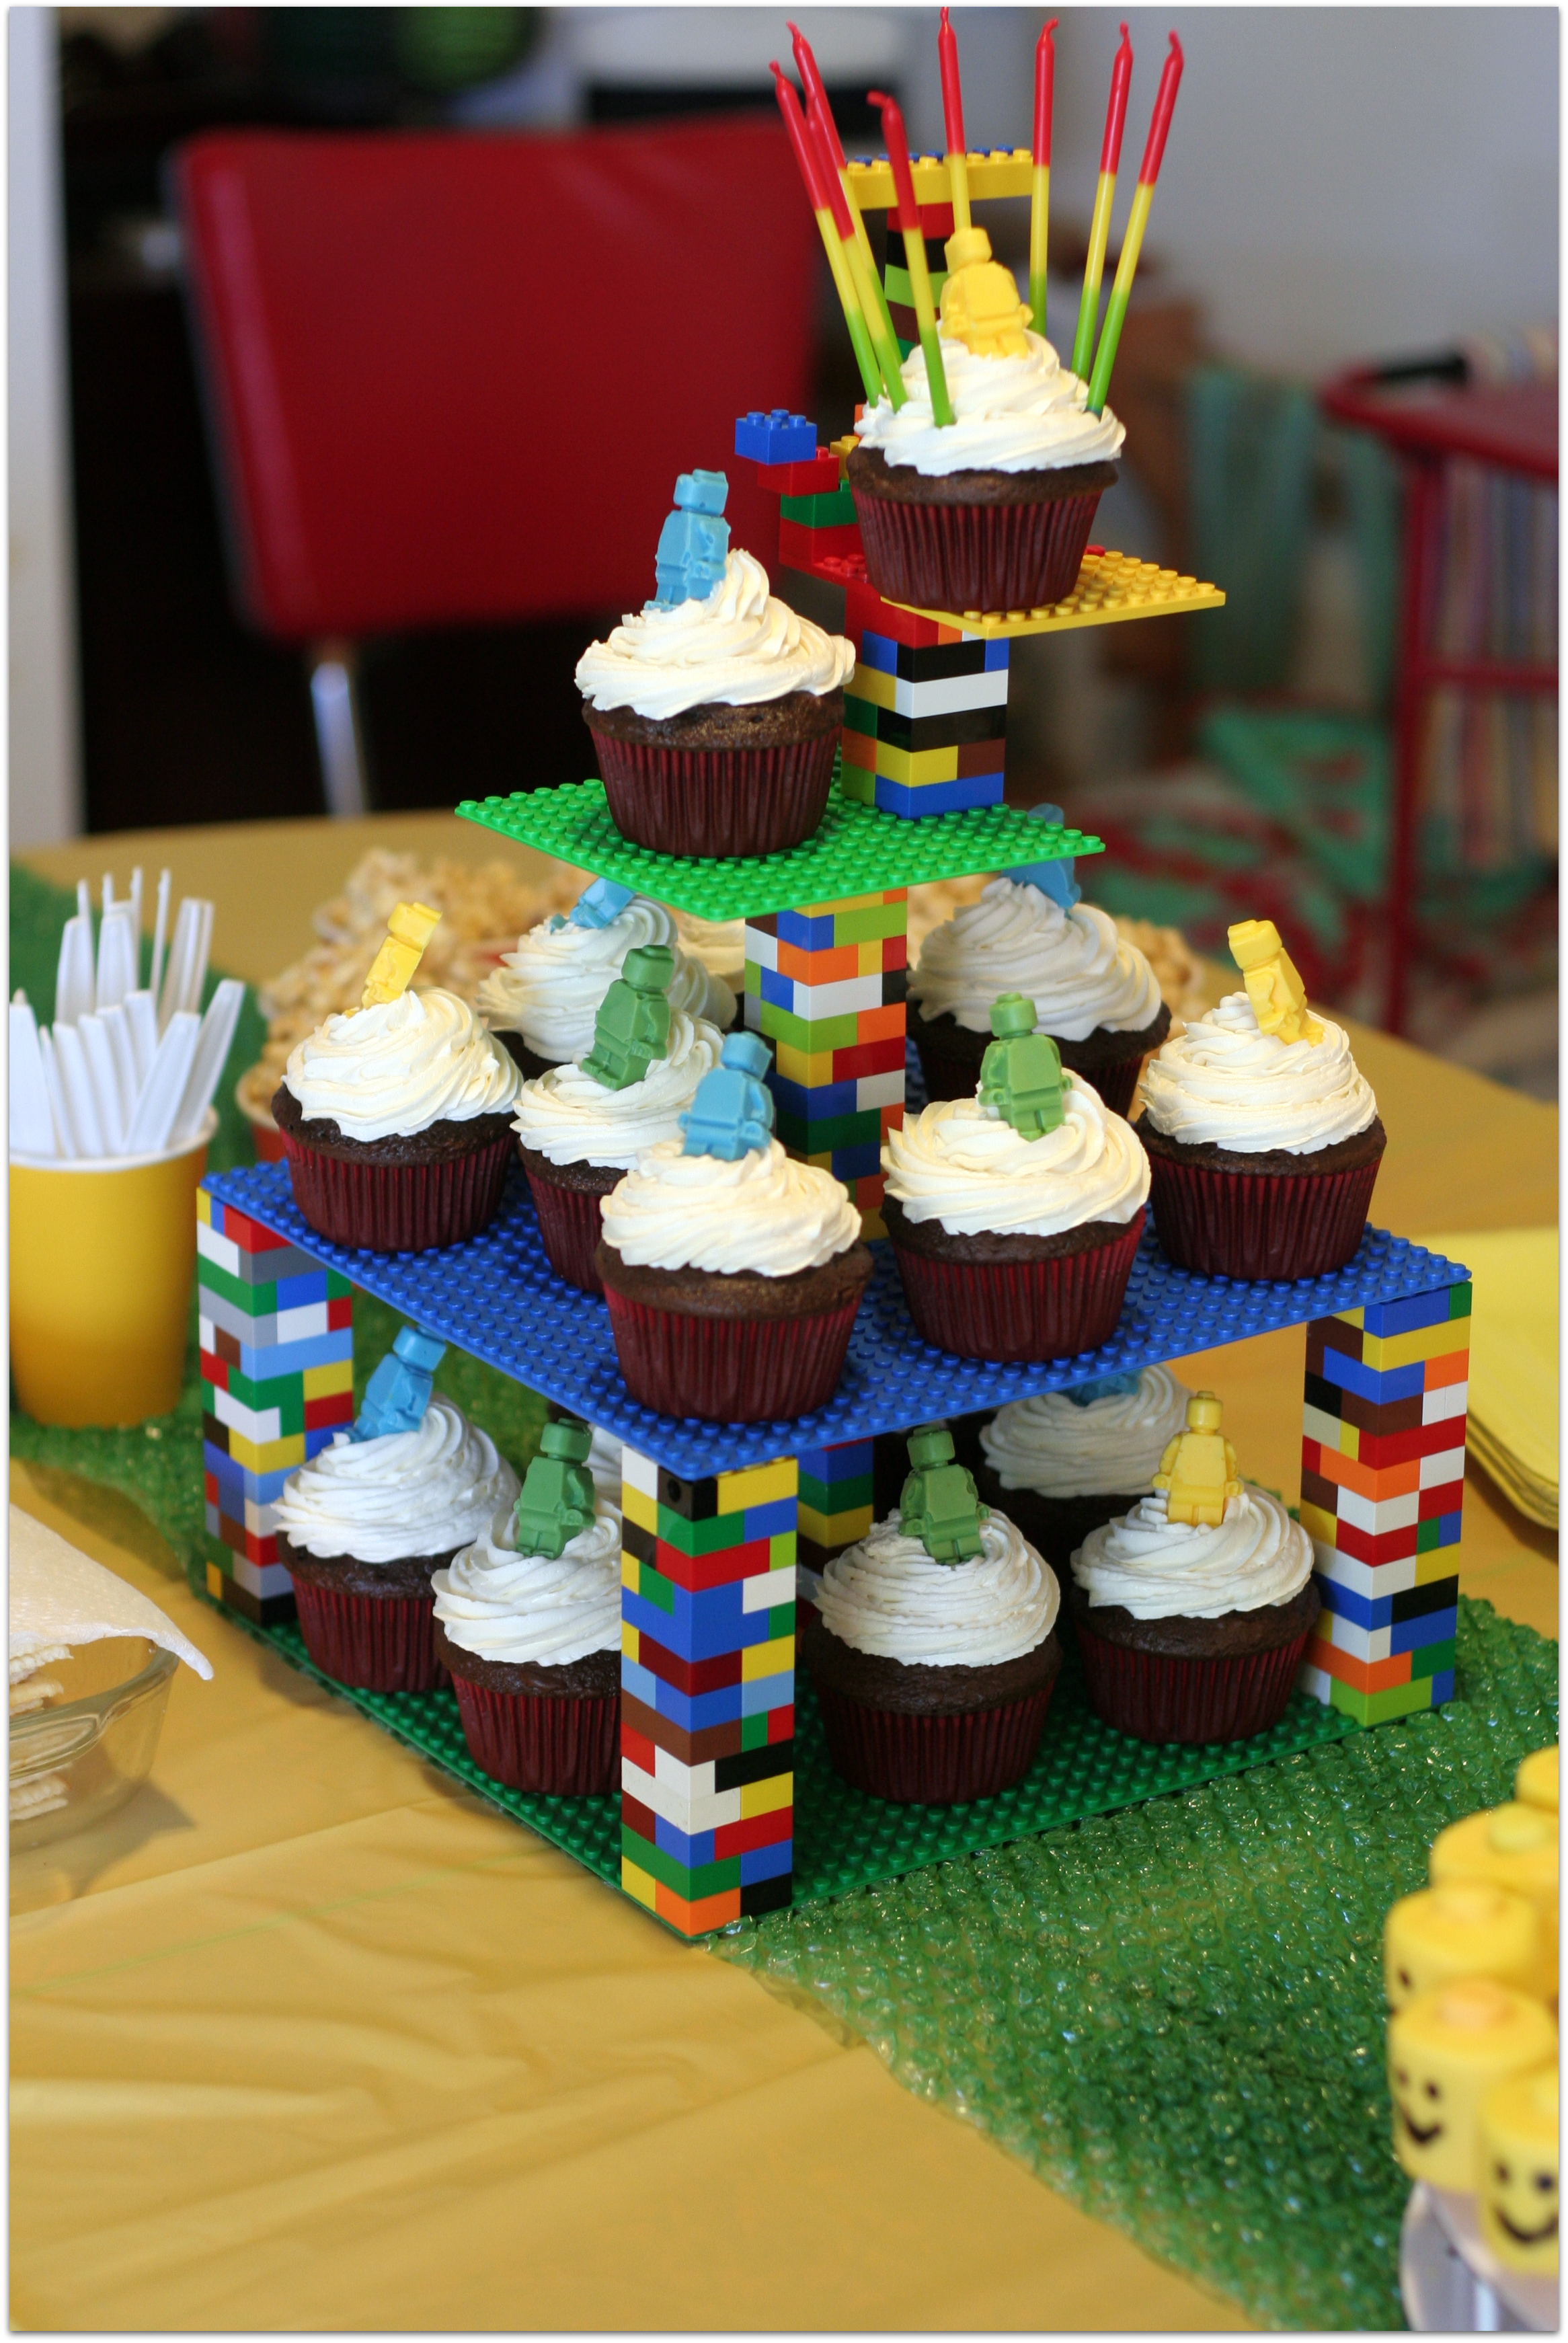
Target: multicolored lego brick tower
[825,985]
[708,1691]
[925,711]
[277,1335]
[1382,1493]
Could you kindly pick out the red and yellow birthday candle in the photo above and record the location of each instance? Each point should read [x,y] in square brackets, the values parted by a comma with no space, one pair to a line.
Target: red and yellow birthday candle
[953,123]
[909,220]
[1040,183]
[834,165]
[1099,225]
[805,152]
[1137,221]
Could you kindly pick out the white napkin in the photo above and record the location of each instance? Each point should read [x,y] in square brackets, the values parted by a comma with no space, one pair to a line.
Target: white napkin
[59,1595]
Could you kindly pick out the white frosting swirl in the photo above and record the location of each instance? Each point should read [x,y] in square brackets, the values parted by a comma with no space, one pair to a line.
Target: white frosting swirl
[739,646]
[569,1117]
[959,1163]
[504,1606]
[604,1463]
[764,1212]
[1160,1569]
[550,988]
[887,1596]
[395,1070]
[1111,1445]
[409,1493]
[1010,414]
[1073,965]
[1224,1082]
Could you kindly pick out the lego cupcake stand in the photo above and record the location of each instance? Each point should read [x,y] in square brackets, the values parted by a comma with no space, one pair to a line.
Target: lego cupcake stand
[729,1805]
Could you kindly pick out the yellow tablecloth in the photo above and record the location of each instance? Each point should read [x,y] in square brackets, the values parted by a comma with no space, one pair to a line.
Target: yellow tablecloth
[308,2037]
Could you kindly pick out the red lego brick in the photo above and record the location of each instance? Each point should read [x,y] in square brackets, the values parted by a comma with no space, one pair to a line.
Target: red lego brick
[692,1676]
[697,1571]
[248,1234]
[800,547]
[1449,1499]
[214,1369]
[337,1407]
[759,1830]
[819,477]
[638,1818]
[341,1312]
[637,1746]
[865,609]
[866,1057]
[781,1723]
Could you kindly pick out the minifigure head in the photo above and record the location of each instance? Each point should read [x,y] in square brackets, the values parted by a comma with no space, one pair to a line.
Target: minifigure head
[1470,1928]
[1446,2049]
[1011,1014]
[419,1350]
[702,492]
[1253,941]
[565,1440]
[648,967]
[599,905]
[1204,1413]
[1535,1783]
[747,1053]
[1518,2175]
[966,245]
[929,1444]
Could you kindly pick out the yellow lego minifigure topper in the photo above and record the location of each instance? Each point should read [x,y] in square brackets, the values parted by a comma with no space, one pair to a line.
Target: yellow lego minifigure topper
[1197,1469]
[980,304]
[1518,2187]
[1512,1847]
[409,930]
[1535,1783]
[1273,983]
[1470,1928]
[1446,2049]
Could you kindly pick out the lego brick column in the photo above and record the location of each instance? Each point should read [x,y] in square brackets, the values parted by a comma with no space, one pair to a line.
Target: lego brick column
[277,1336]
[837,1506]
[708,1691]
[1382,1493]
[925,711]
[825,985]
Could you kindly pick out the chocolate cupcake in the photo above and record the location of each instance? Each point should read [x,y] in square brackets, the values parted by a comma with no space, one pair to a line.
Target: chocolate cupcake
[1264,1150]
[396,1121]
[1193,1612]
[716,710]
[362,1528]
[1063,1463]
[934,1657]
[540,1003]
[1094,992]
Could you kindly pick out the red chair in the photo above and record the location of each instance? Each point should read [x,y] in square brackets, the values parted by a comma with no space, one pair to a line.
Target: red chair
[452,378]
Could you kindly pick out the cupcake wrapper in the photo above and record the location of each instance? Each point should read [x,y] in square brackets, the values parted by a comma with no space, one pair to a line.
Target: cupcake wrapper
[713,803]
[729,1370]
[933,1761]
[1262,1224]
[1157,1696]
[1026,1310]
[379,1643]
[570,1226]
[559,1747]
[399,1207]
[1019,557]
[951,1078]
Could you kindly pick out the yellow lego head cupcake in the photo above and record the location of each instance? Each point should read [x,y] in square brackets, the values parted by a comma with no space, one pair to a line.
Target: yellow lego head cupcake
[1535,1783]
[1512,1847]
[1468,1928]
[1519,2172]
[1446,2049]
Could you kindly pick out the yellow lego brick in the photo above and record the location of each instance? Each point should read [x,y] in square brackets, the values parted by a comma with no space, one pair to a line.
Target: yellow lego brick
[1357,1318]
[870,684]
[758,1484]
[1350,1441]
[640,1507]
[873,1226]
[917,768]
[629,1567]
[759,1660]
[839,903]
[1381,1352]
[630,1642]
[1110,586]
[637,1881]
[214,1582]
[1440,1563]
[839,1529]
[812,1070]
[267,1455]
[204,1201]
[765,1797]
[990,178]
[325,1382]
[1318,1524]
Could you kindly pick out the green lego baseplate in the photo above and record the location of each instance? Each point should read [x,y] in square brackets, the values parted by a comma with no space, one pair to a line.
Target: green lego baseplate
[845,1840]
[856,851]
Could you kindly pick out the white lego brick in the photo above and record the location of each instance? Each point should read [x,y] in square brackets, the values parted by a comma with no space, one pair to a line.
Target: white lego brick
[260,1424]
[950,695]
[689,1810]
[1317,1684]
[1318,1426]
[639,1472]
[1360,1642]
[306,1324]
[222,1251]
[1377,1516]
[846,999]
[1443,1406]
[767,1589]
[1366,1578]
[1438,1471]
[761,948]
[880,1089]
[264,1580]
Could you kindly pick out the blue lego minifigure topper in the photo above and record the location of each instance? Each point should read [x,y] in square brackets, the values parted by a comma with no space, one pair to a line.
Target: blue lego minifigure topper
[1055,878]
[732,1113]
[1101,1387]
[693,542]
[398,1391]
[598,906]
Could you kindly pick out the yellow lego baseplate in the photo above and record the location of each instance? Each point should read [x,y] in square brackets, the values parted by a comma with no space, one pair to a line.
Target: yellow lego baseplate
[1110,586]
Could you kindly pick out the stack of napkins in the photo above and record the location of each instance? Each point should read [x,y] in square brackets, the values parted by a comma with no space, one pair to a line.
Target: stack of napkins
[59,1598]
[1512,1425]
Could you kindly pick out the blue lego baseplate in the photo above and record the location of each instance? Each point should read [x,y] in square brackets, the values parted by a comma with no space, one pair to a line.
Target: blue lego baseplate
[497,1298]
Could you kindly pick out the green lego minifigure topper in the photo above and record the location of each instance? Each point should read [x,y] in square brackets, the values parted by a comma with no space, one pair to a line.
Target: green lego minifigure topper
[940,1504]
[632,1026]
[558,1496]
[1021,1073]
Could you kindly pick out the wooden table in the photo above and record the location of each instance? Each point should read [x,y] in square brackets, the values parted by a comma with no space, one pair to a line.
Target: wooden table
[308,2037]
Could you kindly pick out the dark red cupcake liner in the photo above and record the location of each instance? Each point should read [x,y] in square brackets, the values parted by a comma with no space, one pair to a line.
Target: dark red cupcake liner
[1159,1696]
[1266,1224]
[1025,1310]
[558,1747]
[729,1370]
[933,1761]
[951,1078]
[1018,557]
[570,1226]
[717,803]
[377,1643]
[399,1207]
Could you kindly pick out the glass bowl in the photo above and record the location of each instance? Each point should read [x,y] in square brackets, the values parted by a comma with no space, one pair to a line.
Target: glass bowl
[76,1760]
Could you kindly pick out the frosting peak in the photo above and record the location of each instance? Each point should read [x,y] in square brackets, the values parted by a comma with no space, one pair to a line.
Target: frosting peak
[1075,967]
[959,1163]
[1223,1082]
[569,1117]
[764,1212]
[1051,1444]
[740,646]
[1160,1569]
[397,1068]
[887,1596]
[512,1607]
[549,988]
[1010,414]
[407,1492]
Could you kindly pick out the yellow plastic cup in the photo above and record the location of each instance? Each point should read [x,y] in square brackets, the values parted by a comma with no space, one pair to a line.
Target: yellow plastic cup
[103,1256]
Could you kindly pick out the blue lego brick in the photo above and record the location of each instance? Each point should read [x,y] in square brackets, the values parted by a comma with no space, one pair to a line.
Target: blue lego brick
[776,437]
[880,651]
[775,1519]
[828,1099]
[295,1292]
[806,935]
[1417,1313]
[1387,1610]
[937,796]
[767,1862]
[778,991]
[996,654]
[1368,1384]
[261,1488]
[857,1163]
[847,1462]
[1441,1687]
[497,1298]
[1431,1627]
[764,1694]
[700,1627]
